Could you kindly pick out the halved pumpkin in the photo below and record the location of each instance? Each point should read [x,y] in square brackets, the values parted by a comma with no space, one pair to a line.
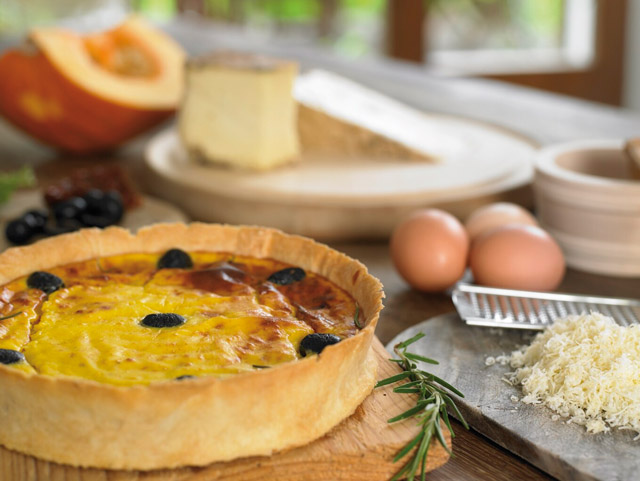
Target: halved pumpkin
[91,93]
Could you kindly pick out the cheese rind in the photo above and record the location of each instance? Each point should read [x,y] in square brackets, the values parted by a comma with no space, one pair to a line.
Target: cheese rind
[339,116]
[239,111]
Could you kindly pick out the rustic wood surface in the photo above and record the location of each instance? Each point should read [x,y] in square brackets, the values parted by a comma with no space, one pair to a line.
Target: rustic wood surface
[359,449]
[546,118]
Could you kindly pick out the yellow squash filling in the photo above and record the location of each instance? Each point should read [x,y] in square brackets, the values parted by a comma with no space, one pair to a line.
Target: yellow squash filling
[235,319]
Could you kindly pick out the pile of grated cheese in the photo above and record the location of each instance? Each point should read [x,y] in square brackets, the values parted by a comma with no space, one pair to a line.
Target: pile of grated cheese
[585,368]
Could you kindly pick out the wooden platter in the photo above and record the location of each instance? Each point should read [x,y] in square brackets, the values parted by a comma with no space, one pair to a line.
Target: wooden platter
[151,211]
[359,449]
[565,451]
[337,198]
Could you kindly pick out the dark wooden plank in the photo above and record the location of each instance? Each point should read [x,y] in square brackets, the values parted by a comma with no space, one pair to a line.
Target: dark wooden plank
[404,29]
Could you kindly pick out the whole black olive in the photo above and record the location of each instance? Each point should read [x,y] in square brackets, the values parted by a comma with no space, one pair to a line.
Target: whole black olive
[103,209]
[287,276]
[70,209]
[94,198]
[165,319]
[315,343]
[18,232]
[9,356]
[36,219]
[45,281]
[113,204]
[175,259]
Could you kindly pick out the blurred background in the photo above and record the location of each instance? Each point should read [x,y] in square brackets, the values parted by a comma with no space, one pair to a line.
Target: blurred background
[583,48]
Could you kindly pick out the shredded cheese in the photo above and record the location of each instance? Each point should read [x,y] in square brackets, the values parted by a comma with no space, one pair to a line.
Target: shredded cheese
[586,369]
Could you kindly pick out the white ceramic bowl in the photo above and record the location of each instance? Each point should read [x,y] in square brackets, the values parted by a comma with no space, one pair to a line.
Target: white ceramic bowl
[586,199]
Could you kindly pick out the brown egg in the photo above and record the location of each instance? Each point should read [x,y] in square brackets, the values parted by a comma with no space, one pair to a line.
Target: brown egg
[429,250]
[517,257]
[495,215]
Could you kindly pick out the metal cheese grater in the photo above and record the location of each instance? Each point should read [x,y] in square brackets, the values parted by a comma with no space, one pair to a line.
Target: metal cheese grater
[488,306]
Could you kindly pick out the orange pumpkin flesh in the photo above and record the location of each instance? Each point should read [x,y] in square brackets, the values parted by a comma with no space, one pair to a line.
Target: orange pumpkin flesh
[88,94]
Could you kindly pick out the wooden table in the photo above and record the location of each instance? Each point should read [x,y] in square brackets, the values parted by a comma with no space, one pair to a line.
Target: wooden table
[543,117]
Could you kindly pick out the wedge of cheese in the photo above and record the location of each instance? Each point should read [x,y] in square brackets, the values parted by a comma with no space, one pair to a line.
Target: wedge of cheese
[239,110]
[339,116]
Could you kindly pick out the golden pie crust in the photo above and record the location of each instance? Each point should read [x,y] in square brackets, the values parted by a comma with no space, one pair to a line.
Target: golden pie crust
[195,421]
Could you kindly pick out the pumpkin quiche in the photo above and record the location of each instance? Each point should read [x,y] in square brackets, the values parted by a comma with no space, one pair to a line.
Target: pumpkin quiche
[180,345]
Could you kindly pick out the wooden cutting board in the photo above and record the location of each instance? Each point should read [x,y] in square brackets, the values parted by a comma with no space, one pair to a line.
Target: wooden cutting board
[565,451]
[359,449]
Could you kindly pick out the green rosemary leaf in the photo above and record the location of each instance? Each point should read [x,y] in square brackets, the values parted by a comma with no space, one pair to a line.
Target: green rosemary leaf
[445,418]
[11,315]
[10,181]
[402,473]
[444,383]
[417,357]
[430,409]
[421,454]
[456,411]
[408,447]
[407,390]
[408,413]
[411,383]
[408,342]
[398,361]
[395,378]
[423,471]
[356,318]
[441,438]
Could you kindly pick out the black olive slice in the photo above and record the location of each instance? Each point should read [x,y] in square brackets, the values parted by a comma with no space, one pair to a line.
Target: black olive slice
[315,343]
[165,319]
[45,281]
[175,259]
[287,276]
[9,356]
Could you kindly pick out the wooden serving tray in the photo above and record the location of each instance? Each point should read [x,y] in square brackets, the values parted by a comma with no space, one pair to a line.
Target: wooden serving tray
[361,448]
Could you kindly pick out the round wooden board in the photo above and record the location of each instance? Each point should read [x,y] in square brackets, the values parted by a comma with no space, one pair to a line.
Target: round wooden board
[151,211]
[334,198]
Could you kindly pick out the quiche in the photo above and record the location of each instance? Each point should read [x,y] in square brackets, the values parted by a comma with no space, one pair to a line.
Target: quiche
[180,345]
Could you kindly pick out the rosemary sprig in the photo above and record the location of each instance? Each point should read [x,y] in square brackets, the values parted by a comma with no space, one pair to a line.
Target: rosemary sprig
[4,318]
[10,181]
[429,411]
